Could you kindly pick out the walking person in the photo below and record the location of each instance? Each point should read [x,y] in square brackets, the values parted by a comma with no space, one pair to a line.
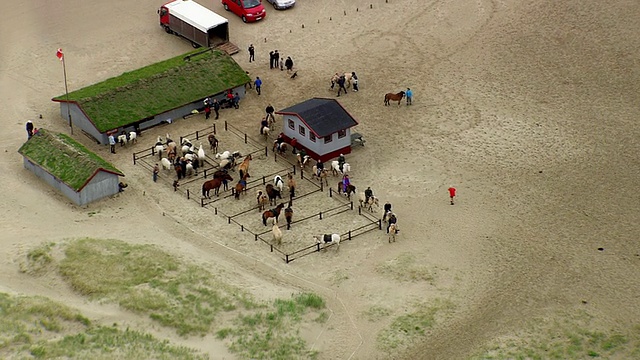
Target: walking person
[409,95]
[112,143]
[236,101]
[269,109]
[156,170]
[29,127]
[258,84]
[288,64]
[252,53]
[341,81]
[271,57]
[354,80]
[276,59]
[452,193]
[216,108]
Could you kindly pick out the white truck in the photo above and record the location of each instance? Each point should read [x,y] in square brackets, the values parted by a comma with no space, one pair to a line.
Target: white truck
[195,23]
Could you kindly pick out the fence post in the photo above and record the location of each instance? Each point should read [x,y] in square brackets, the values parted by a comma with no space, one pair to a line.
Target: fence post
[188,194]
[349,234]
[214,128]
[205,173]
[229,217]
[197,135]
[264,180]
[320,214]
[301,174]
[225,125]
[255,236]
[275,156]
[351,205]
[134,158]
[318,247]
[153,150]
[330,192]
[271,246]
[180,140]
[321,185]
[215,211]
[286,258]
[201,202]
[359,210]
[294,169]
[241,227]
[245,138]
[379,224]
[266,151]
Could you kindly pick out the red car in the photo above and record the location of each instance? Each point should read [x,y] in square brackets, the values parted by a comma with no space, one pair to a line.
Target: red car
[248,10]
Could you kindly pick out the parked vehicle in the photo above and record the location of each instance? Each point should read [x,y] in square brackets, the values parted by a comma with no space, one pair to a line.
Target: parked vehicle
[248,10]
[282,4]
[194,22]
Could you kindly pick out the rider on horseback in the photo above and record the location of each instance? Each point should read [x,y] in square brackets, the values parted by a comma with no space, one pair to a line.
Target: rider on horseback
[345,183]
[263,124]
[368,194]
[341,162]
[319,167]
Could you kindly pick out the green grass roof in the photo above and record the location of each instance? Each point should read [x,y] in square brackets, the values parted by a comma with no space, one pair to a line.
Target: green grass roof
[157,88]
[64,158]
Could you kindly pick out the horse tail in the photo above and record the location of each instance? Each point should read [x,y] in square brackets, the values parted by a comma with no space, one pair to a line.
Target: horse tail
[204,190]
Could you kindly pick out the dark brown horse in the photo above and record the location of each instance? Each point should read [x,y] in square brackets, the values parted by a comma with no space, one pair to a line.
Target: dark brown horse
[288,214]
[351,189]
[213,142]
[393,97]
[241,186]
[273,193]
[280,147]
[215,185]
[219,175]
[273,213]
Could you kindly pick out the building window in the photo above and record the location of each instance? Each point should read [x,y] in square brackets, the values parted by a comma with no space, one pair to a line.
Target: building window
[342,133]
[312,137]
[302,130]
[328,139]
[292,125]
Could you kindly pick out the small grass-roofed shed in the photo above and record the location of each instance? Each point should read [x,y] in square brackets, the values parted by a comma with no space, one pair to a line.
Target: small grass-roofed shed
[155,94]
[68,166]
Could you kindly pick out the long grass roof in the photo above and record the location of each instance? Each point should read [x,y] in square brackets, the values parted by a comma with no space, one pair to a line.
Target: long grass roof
[65,158]
[157,88]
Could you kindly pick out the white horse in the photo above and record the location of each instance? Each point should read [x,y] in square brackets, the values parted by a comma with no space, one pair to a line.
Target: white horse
[278,182]
[276,232]
[373,201]
[166,164]
[346,168]
[133,137]
[159,147]
[336,76]
[122,139]
[225,155]
[201,153]
[266,132]
[328,240]
[393,232]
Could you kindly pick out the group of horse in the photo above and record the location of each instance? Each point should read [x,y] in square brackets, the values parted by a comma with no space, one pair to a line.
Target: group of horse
[347,76]
[190,159]
[125,138]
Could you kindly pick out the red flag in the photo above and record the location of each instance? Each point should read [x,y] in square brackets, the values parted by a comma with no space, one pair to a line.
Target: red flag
[60,55]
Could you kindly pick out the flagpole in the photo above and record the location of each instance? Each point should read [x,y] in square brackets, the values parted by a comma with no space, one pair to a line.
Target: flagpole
[66,89]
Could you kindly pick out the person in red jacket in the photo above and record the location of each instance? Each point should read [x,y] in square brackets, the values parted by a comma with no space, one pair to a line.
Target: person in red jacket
[452,193]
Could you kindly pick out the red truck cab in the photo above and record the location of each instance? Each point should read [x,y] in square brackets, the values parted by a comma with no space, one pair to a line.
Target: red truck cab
[248,10]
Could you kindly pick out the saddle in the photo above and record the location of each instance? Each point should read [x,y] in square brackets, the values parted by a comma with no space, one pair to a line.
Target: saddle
[327,238]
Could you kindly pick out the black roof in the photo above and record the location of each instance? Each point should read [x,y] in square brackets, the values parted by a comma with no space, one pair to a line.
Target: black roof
[323,116]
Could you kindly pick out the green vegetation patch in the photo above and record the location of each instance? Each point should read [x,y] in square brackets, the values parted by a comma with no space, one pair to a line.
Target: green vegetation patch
[568,336]
[64,158]
[146,280]
[410,328]
[36,327]
[269,334]
[406,268]
[157,88]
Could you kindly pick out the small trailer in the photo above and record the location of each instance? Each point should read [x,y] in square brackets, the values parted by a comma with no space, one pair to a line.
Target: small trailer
[194,22]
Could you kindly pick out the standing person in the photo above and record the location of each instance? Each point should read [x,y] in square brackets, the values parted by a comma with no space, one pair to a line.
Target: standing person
[216,107]
[452,193]
[252,53]
[341,81]
[112,143]
[409,95]
[207,111]
[271,57]
[29,127]
[269,109]
[288,64]
[156,170]
[354,80]
[258,84]
[281,64]
[276,59]
[236,101]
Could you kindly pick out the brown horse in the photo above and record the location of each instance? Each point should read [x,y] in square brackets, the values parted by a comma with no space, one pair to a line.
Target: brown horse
[324,173]
[240,186]
[215,185]
[393,97]
[272,213]
[262,200]
[351,189]
[213,142]
[243,168]
[273,193]
[288,214]
[280,147]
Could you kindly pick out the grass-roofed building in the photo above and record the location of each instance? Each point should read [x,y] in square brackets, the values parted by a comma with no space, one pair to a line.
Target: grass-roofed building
[68,166]
[161,92]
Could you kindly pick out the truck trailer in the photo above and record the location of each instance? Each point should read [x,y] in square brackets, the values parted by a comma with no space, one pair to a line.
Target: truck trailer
[194,22]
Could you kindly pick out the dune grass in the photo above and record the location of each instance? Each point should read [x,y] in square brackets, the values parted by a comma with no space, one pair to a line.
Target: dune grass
[36,327]
[148,281]
[406,268]
[567,336]
[407,329]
